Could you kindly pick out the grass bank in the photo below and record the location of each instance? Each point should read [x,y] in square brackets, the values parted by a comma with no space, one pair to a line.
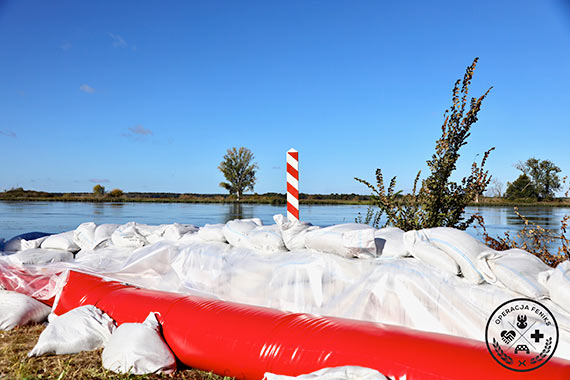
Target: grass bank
[14,364]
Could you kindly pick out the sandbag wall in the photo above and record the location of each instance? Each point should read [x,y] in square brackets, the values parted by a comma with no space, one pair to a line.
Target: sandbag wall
[245,341]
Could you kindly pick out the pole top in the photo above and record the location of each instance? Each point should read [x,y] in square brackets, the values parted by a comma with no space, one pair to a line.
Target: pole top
[292,151]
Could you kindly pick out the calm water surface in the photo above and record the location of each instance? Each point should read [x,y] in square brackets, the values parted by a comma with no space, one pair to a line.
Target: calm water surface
[20,217]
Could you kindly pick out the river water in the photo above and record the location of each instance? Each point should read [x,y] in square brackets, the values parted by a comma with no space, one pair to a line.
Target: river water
[20,217]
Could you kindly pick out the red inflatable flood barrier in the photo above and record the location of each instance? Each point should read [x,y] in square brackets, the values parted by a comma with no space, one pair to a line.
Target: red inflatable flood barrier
[246,341]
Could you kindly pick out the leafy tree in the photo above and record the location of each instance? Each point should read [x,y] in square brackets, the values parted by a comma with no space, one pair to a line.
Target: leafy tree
[116,193]
[98,190]
[544,176]
[439,202]
[239,170]
[522,187]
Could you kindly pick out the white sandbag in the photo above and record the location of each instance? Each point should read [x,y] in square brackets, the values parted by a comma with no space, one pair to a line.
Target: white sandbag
[236,231]
[335,373]
[390,242]
[89,236]
[84,328]
[25,241]
[293,232]
[428,253]
[460,246]
[102,237]
[84,235]
[175,231]
[40,256]
[128,235]
[514,269]
[212,232]
[347,240]
[267,238]
[18,309]
[138,348]
[557,281]
[63,241]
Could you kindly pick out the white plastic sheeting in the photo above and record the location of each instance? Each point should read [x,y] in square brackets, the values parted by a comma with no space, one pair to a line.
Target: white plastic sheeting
[84,328]
[336,373]
[18,309]
[138,348]
[404,291]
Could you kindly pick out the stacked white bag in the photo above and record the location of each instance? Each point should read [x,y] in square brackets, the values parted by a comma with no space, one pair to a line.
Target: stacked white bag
[293,232]
[18,309]
[514,269]
[267,239]
[63,241]
[138,348]
[351,240]
[89,236]
[250,233]
[212,232]
[128,235]
[557,281]
[390,242]
[236,231]
[422,250]
[84,328]
[462,248]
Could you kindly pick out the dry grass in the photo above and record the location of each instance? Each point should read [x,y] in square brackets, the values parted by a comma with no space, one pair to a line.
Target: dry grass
[14,364]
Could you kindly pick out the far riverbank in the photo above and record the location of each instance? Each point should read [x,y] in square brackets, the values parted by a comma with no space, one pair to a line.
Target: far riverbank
[20,195]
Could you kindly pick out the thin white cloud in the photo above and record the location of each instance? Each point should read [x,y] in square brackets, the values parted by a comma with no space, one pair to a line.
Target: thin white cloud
[140,130]
[86,88]
[118,41]
[99,180]
[66,46]
[8,133]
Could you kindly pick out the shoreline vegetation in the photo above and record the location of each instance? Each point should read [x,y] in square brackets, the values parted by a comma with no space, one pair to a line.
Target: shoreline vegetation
[21,195]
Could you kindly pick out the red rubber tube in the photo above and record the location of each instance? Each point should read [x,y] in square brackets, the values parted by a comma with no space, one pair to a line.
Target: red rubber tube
[246,341]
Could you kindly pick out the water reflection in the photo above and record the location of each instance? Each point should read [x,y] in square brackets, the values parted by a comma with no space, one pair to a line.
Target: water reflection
[541,216]
[98,208]
[238,211]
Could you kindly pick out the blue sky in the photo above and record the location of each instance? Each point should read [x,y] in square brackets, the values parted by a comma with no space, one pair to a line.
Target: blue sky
[147,96]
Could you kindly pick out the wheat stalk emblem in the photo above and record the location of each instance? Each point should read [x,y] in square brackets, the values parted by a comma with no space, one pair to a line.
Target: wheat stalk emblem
[540,357]
[506,358]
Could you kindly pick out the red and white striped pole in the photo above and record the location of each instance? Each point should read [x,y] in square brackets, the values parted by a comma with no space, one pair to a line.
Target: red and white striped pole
[292,185]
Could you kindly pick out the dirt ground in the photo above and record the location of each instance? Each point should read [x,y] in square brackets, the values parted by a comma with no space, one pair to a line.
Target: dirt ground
[14,364]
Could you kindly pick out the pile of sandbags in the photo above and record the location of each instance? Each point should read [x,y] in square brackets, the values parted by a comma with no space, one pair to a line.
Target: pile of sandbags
[135,348]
